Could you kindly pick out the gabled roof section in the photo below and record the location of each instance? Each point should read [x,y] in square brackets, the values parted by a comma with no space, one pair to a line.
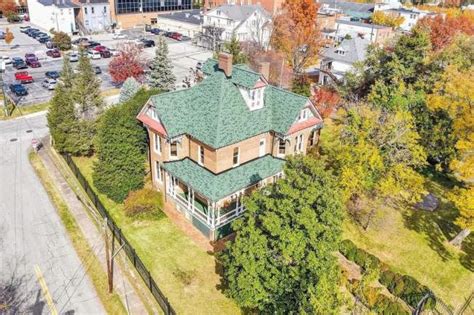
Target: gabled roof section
[355,49]
[218,186]
[215,113]
[239,12]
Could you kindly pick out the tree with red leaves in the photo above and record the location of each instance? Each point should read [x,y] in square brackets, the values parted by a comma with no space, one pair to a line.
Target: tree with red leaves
[128,63]
[326,101]
[442,30]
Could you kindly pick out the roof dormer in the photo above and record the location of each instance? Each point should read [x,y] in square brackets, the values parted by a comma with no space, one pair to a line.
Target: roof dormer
[254,98]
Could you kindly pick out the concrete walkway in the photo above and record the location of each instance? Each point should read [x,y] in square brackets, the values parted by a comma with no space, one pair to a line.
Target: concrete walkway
[122,285]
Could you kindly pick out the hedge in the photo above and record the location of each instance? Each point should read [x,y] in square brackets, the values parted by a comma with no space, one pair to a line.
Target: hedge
[405,287]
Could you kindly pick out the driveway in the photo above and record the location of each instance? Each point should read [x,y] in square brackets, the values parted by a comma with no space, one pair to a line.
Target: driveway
[31,232]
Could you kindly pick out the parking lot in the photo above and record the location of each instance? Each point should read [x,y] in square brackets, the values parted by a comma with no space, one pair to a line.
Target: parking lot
[184,55]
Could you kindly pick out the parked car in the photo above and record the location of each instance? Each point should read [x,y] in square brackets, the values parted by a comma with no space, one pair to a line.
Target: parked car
[7,60]
[54,53]
[199,65]
[23,77]
[114,52]
[73,57]
[97,70]
[93,54]
[80,40]
[119,36]
[104,51]
[33,63]
[50,45]
[23,29]
[37,35]
[19,63]
[52,74]
[50,84]
[44,39]
[147,42]
[18,89]
[30,32]
[176,36]
[155,31]
[30,56]
[93,44]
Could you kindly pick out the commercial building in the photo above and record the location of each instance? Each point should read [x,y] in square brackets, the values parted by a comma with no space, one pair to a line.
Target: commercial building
[219,140]
[187,22]
[132,13]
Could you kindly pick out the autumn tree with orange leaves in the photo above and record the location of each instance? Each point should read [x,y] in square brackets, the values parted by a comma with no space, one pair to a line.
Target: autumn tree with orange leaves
[326,100]
[443,30]
[296,34]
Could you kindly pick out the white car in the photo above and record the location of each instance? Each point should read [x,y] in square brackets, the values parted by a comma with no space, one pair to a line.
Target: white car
[93,54]
[114,52]
[7,60]
[50,84]
[119,36]
[73,57]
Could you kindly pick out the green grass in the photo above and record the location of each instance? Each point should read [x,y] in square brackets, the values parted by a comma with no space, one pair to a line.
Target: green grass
[415,242]
[24,110]
[184,272]
[96,273]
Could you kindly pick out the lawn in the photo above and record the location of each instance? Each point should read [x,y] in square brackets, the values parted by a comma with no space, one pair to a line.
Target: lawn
[183,271]
[415,242]
[23,110]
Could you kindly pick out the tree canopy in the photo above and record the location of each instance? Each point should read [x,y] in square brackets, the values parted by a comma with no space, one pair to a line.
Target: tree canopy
[161,75]
[282,260]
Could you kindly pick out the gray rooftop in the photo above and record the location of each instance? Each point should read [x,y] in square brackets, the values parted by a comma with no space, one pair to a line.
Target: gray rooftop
[59,3]
[189,16]
[239,12]
[93,1]
[360,24]
[350,8]
[354,49]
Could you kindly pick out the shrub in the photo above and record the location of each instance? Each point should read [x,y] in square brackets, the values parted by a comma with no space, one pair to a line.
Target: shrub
[143,201]
[62,40]
[386,305]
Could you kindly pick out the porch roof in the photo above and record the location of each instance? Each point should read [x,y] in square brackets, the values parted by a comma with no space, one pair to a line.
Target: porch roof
[217,186]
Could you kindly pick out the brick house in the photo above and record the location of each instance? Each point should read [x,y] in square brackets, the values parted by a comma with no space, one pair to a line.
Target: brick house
[219,140]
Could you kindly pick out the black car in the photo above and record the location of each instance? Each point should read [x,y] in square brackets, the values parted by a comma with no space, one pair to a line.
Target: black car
[18,89]
[32,32]
[24,29]
[93,44]
[39,34]
[148,42]
[97,70]
[19,63]
[52,74]
[44,39]
[155,31]
[80,40]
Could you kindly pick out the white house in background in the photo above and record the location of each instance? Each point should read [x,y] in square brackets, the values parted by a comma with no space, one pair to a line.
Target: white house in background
[387,4]
[247,22]
[54,14]
[95,15]
[187,22]
[337,61]
[411,16]
[374,33]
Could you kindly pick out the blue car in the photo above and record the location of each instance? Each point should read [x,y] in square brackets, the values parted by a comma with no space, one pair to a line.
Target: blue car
[52,74]
[18,63]
[18,89]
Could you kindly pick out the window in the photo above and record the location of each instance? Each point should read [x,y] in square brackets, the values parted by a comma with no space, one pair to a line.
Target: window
[312,138]
[92,10]
[105,10]
[200,155]
[236,157]
[256,98]
[299,144]
[261,148]
[173,149]
[281,147]
[85,10]
[304,114]
[158,172]
[157,140]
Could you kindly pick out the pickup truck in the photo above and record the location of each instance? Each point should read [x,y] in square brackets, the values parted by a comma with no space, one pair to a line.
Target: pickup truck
[23,77]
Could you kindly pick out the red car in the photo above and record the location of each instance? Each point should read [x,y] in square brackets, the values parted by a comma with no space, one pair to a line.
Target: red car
[53,53]
[33,63]
[176,36]
[104,51]
[23,77]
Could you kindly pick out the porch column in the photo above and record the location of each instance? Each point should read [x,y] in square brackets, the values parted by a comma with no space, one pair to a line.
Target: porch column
[190,192]
[193,202]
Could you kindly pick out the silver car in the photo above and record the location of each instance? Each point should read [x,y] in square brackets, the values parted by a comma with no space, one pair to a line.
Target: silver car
[73,57]
[50,84]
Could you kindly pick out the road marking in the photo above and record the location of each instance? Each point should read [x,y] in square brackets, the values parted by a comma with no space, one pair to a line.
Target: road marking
[44,289]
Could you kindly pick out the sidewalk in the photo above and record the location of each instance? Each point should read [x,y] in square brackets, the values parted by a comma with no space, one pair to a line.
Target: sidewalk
[130,298]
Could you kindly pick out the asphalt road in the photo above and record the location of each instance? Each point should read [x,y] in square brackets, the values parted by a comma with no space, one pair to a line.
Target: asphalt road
[183,55]
[31,232]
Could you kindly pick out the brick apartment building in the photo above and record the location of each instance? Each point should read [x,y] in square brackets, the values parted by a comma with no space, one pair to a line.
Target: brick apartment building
[221,139]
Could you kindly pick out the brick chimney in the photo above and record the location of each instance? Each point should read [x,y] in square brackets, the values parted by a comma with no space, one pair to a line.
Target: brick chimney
[225,63]
[264,69]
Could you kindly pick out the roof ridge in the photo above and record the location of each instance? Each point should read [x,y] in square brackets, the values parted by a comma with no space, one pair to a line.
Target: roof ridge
[221,96]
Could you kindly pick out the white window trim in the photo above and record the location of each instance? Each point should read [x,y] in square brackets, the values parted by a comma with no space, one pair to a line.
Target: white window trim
[200,161]
[260,153]
[158,174]
[238,157]
[157,143]
[278,152]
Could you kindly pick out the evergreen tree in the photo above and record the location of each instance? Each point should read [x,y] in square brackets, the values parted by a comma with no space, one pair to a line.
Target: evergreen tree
[67,74]
[161,76]
[86,90]
[61,120]
[233,48]
[121,144]
[129,88]
[282,259]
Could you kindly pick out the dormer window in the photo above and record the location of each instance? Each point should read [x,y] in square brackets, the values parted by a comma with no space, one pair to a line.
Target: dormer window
[304,114]
[152,114]
[254,97]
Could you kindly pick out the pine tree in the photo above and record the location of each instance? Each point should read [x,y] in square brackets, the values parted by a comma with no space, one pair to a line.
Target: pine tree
[86,90]
[61,120]
[233,48]
[161,75]
[67,74]
[282,259]
[129,88]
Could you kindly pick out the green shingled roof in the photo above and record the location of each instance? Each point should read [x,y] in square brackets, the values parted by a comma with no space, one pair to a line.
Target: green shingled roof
[215,187]
[215,113]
